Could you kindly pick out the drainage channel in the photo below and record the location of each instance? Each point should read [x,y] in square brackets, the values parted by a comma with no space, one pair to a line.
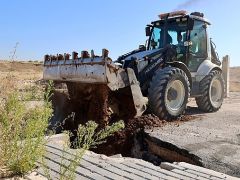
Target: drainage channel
[141,145]
[156,151]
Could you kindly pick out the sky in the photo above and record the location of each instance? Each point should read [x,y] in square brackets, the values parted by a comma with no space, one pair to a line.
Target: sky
[58,26]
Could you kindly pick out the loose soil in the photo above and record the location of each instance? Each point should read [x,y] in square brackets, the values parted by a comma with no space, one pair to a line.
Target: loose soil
[122,142]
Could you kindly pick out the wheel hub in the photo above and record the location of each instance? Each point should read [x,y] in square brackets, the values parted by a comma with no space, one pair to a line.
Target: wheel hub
[172,94]
[216,92]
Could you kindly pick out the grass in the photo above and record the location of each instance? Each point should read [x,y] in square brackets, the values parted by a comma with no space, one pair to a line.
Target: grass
[22,130]
[32,92]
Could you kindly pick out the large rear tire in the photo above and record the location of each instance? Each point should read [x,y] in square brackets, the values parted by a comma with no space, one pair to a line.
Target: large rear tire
[168,93]
[212,90]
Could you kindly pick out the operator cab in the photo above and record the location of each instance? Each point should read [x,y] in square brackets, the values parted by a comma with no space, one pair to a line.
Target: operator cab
[187,33]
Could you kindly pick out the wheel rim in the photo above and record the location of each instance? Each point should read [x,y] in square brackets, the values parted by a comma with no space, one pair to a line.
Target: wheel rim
[174,96]
[216,92]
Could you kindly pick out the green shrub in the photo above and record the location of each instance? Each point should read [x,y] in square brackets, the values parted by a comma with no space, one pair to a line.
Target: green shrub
[32,92]
[22,132]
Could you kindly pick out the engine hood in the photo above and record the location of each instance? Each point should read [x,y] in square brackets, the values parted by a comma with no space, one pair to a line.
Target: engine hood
[140,55]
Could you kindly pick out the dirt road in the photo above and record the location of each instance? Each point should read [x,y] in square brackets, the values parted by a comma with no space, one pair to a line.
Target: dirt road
[214,137]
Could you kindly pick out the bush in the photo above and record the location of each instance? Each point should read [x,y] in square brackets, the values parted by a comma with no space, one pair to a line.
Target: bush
[22,132]
[32,92]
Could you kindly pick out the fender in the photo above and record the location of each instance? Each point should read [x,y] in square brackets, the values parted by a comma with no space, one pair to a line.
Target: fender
[183,67]
[205,68]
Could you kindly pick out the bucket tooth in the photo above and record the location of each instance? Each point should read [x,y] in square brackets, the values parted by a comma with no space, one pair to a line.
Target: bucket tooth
[92,54]
[66,56]
[60,57]
[53,58]
[105,53]
[74,55]
[46,57]
[85,54]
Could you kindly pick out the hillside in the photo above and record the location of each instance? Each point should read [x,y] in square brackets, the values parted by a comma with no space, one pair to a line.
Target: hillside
[21,70]
[235,79]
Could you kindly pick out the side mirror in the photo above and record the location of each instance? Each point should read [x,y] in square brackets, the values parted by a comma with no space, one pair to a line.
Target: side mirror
[142,47]
[148,31]
[204,26]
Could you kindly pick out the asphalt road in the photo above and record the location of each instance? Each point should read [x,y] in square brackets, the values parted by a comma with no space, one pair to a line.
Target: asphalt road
[214,137]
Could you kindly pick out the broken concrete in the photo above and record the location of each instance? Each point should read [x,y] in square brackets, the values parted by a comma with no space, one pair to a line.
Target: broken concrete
[96,166]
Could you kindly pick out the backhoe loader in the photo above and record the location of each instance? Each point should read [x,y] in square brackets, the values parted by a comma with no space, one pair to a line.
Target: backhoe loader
[177,62]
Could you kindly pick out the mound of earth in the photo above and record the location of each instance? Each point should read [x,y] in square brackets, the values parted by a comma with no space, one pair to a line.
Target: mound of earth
[123,141]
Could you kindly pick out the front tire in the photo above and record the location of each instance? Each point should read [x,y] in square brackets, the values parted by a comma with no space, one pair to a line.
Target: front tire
[168,93]
[212,90]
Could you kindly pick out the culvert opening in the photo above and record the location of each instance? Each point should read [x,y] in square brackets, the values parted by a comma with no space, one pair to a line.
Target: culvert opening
[132,141]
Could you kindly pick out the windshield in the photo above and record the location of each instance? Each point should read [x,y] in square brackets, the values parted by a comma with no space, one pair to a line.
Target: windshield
[175,34]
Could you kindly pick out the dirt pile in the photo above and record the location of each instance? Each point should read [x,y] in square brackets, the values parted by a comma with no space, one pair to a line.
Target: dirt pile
[123,141]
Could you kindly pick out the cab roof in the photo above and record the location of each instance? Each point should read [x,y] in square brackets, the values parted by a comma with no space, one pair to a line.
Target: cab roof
[182,14]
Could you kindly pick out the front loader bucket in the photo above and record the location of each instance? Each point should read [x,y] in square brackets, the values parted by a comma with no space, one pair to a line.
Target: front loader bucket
[97,87]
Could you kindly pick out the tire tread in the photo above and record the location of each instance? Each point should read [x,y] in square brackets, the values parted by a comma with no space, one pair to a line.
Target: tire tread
[156,91]
[203,102]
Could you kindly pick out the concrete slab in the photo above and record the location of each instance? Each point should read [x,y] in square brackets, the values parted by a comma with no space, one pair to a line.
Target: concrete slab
[96,166]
